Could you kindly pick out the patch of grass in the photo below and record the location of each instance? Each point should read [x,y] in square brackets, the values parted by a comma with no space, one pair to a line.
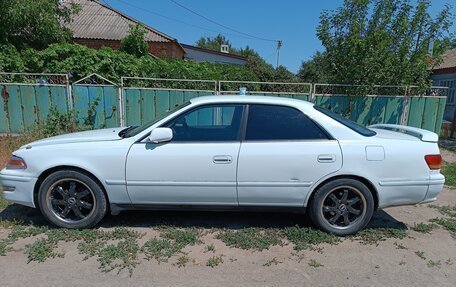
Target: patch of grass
[432,264]
[375,235]
[447,210]
[420,254]
[119,256]
[305,237]
[4,247]
[210,248]
[423,227]
[40,250]
[449,170]
[214,261]
[159,249]
[251,238]
[271,262]
[3,203]
[182,237]
[447,223]
[314,263]
[182,261]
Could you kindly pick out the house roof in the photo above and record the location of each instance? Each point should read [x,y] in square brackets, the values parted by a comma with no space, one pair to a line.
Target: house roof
[190,47]
[448,60]
[97,20]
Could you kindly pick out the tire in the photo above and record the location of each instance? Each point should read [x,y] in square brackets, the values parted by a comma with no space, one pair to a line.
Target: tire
[342,206]
[71,199]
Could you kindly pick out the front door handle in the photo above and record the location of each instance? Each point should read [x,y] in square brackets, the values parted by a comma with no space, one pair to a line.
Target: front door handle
[326,158]
[222,159]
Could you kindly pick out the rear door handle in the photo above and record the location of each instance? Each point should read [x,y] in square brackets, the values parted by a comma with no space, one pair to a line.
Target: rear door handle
[222,159]
[326,158]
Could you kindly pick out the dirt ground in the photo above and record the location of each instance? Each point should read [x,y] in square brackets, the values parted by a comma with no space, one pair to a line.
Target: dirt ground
[350,263]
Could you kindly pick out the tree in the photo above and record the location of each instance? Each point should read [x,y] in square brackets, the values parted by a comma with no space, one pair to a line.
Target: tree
[314,70]
[134,43]
[381,42]
[35,23]
[215,43]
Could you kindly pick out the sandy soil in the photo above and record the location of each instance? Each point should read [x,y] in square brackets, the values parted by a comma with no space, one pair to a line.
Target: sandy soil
[349,263]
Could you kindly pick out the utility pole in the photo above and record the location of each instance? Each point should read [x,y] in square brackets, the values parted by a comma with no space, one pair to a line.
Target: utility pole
[279,45]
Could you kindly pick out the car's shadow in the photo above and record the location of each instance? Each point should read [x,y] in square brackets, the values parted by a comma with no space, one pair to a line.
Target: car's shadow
[203,219]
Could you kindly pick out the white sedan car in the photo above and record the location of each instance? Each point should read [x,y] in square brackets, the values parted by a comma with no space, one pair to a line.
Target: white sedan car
[229,152]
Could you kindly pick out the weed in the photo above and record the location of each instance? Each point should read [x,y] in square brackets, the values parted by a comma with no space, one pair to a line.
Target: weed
[210,248]
[400,246]
[449,262]
[251,238]
[182,237]
[272,261]
[447,223]
[402,263]
[423,227]
[3,203]
[304,237]
[4,247]
[375,235]
[214,261]
[449,170]
[182,261]
[314,263]
[432,263]
[40,250]
[420,254]
[445,210]
[119,256]
[159,249]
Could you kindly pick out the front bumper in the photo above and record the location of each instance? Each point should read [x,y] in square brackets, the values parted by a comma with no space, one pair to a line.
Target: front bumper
[18,189]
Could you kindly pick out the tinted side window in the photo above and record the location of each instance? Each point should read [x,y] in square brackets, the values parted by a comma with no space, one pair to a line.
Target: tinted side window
[208,123]
[267,122]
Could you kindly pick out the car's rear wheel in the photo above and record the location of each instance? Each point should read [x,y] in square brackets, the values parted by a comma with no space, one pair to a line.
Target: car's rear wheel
[72,199]
[342,206]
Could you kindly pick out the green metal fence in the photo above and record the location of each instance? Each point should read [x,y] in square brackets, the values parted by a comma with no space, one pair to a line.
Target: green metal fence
[26,99]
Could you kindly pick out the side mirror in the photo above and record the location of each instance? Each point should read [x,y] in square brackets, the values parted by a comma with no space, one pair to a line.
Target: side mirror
[160,135]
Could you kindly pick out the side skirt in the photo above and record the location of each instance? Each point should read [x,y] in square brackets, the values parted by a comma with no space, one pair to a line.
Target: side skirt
[117,208]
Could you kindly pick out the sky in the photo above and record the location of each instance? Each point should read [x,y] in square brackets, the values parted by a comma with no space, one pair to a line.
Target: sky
[292,21]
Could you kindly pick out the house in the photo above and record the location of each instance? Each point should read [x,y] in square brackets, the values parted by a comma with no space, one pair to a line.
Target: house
[445,75]
[205,55]
[98,25]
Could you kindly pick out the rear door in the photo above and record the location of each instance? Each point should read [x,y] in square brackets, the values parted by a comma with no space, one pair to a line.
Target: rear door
[284,153]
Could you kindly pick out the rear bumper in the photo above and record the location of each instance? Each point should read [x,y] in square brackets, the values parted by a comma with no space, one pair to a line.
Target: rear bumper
[409,192]
[18,189]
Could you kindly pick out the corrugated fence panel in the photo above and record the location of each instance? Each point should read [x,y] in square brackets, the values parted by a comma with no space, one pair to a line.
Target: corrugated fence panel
[15,109]
[147,105]
[4,120]
[111,106]
[132,98]
[43,101]
[441,107]
[394,109]
[29,106]
[416,110]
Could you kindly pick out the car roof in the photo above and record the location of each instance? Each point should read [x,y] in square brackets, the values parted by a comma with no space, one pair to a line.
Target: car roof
[251,99]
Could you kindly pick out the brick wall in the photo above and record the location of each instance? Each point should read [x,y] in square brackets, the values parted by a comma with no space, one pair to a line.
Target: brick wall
[159,49]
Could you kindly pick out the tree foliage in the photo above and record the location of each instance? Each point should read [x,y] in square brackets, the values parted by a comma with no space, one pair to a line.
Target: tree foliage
[380,42]
[80,61]
[134,43]
[215,43]
[35,23]
[314,70]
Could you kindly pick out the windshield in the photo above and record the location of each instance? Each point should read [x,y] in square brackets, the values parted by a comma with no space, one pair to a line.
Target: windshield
[362,130]
[134,130]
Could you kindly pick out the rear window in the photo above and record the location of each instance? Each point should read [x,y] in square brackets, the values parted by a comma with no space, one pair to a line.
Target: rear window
[362,130]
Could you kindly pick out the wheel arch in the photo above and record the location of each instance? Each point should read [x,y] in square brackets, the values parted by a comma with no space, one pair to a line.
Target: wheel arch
[51,170]
[364,180]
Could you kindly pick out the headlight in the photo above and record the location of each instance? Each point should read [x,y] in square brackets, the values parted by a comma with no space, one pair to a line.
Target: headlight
[16,162]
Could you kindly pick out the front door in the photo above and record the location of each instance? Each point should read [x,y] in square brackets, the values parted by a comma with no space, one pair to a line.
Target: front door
[284,153]
[198,166]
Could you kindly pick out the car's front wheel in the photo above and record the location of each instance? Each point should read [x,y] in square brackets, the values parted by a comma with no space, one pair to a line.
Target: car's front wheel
[71,199]
[342,207]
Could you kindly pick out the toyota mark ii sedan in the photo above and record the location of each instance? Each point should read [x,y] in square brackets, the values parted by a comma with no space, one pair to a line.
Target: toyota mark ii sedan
[225,153]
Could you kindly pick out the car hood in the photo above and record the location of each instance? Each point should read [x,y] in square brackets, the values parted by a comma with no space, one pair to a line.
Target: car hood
[109,134]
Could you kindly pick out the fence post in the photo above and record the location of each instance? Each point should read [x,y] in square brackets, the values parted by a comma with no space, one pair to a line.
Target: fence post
[405,111]
[121,107]
[312,93]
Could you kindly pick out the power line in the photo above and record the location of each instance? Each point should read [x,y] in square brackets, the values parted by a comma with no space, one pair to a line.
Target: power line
[180,21]
[221,25]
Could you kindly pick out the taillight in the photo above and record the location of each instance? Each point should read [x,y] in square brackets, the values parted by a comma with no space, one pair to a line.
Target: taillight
[16,162]
[434,161]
